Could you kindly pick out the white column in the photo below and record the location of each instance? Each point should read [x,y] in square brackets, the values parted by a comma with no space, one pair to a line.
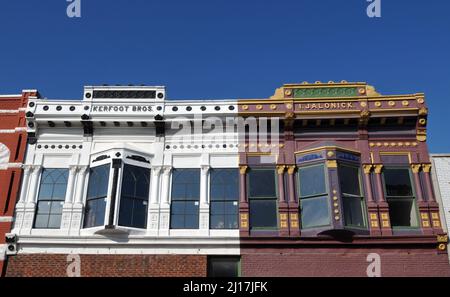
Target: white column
[165,197]
[204,206]
[71,184]
[27,170]
[154,185]
[34,184]
[80,184]
[204,186]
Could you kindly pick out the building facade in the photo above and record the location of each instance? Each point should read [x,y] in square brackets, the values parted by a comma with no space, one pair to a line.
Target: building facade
[317,180]
[13,139]
[441,181]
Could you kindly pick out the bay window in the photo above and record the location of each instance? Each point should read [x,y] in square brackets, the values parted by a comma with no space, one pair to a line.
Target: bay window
[262,198]
[52,193]
[134,196]
[185,199]
[400,197]
[314,201]
[97,196]
[352,198]
[224,195]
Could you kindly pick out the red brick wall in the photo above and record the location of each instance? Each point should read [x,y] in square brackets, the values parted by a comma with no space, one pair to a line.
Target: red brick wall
[45,265]
[343,262]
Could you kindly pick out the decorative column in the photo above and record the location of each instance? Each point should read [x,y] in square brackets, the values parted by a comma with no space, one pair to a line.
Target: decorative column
[164,214]
[30,205]
[204,203]
[244,224]
[294,225]
[383,207]
[77,207]
[421,203]
[67,207]
[283,209]
[433,206]
[153,207]
[20,206]
[372,208]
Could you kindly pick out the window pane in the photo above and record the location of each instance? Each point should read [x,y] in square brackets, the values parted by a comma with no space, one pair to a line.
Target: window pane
[186,184]
[262,183]
[59,192]
[98,181]
[312,181]
[231,221]
[224,184]
[191,222]
[177,221]
[56,207]
[397,182]
[349,179]
[223,267]
[263,213]
[43,207]
[178,207]
[217,222]
[41,221]
[315,212]
[134,196]
[184,215]
[45,191]
[353,212]
[402,213]
[217,207]
[54,221]
[95,212]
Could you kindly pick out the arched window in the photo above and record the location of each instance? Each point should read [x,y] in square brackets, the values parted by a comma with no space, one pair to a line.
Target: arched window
[134,196]
[96,196]
[52,192]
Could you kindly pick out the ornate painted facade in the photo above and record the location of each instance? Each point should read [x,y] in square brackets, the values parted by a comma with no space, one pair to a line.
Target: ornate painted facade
[315,180]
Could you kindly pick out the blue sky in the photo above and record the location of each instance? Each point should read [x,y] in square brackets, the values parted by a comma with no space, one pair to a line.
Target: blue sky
[229,48]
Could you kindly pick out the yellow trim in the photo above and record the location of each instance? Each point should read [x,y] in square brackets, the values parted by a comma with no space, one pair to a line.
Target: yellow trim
[397,154]
[329,147]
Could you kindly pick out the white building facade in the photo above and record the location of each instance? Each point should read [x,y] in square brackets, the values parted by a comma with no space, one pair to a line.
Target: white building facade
[126,172]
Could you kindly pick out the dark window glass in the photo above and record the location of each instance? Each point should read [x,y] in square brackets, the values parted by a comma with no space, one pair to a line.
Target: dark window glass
[398,182]
[314,204]
[263,198]
[185,199]
[315,212]
[52,192]
[352,199]
[312,181]
[223,266]
[96,197]
[134,196]
[400,197]
[262,183]
[224,195]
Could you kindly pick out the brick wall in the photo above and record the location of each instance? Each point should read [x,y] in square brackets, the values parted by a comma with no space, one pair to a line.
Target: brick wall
[343,262]
[55,265]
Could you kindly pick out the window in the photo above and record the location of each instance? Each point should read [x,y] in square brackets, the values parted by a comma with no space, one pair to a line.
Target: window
[96,196]
[352,197]
[52,193]
[263,198]
[400,197]
[223,266]
[185,199]
[134,196]
[224,195]
[314,205]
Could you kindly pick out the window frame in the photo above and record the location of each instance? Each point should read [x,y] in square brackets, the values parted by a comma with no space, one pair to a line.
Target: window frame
[402,198]
[326,194]
[211,201]
[107,197]
[119,192]
[174,169]
[351,196]
[276,198]
[41,176]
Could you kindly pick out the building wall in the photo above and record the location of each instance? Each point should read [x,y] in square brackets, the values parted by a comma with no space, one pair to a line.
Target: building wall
[13,139]
[56,265]
[441,181]
[343,262]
